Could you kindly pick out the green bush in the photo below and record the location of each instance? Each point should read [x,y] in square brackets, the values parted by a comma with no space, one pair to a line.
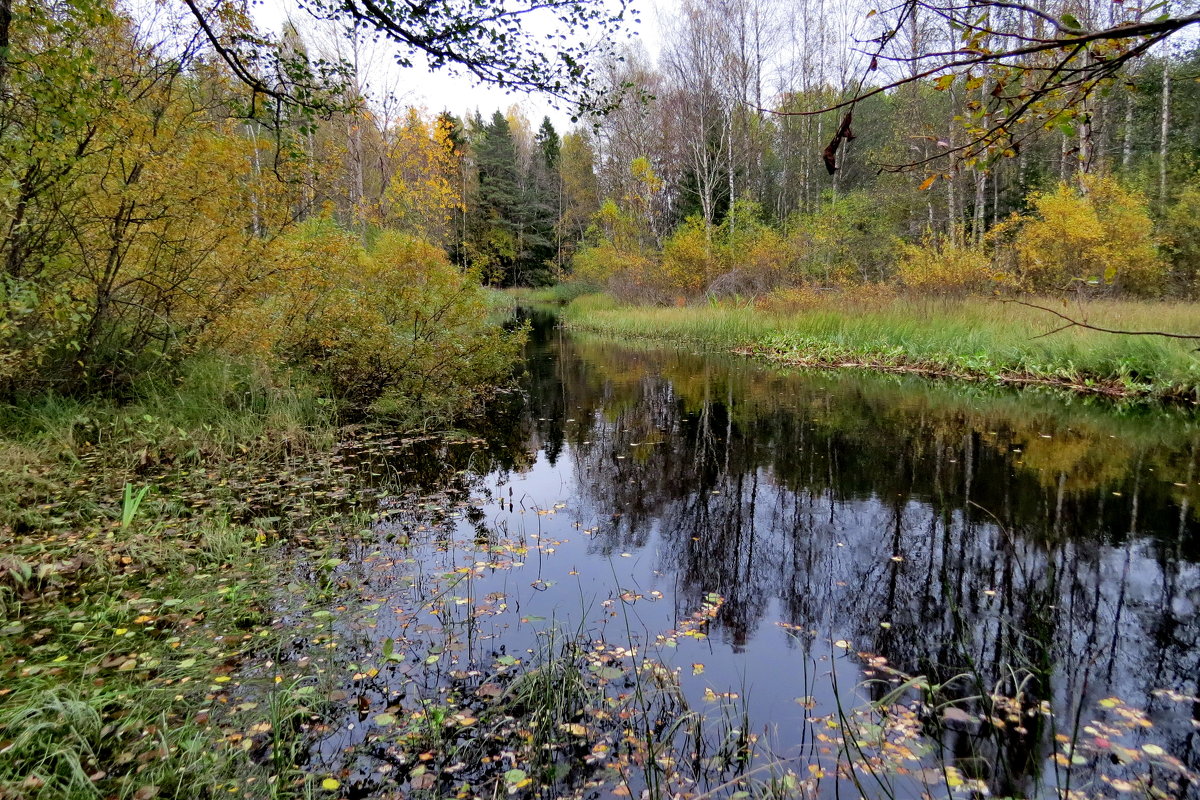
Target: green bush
[394,327]
[1180,232]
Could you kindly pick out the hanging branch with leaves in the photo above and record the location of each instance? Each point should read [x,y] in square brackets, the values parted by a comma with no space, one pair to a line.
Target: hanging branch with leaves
[546,46]
[1042,67]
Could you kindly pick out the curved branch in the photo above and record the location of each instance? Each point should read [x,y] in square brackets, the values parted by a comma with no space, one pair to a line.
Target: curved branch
[1074,323]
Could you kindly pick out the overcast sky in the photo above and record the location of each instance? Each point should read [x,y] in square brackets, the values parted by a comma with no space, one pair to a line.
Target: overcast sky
[438,91]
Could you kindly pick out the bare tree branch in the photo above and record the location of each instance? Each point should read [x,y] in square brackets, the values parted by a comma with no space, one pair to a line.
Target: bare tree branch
[1071,322]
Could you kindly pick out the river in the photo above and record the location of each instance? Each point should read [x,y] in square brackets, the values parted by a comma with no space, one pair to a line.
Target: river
[791,545]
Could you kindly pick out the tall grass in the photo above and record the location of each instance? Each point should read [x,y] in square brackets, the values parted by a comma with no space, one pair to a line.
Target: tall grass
[111,696]
[210,406]
[972,337]
[559,294]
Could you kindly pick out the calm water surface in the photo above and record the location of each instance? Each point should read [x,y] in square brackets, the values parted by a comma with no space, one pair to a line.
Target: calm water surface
[948,529]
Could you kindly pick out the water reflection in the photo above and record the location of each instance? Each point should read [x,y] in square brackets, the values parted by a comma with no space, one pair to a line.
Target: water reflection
[988,531]
[1040,544]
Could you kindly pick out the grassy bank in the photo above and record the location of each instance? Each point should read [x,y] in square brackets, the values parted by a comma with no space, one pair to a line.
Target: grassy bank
[973,339]
[161,554]
[133,589]
[560,294]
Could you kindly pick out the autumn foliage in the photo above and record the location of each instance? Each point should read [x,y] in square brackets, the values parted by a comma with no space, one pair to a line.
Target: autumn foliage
[391,326]
[144,218]
[1093,236]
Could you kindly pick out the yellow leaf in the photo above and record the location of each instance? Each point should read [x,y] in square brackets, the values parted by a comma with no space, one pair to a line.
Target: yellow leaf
[927,183]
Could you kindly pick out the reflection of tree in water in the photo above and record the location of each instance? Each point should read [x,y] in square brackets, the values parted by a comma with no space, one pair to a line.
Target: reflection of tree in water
[989,544]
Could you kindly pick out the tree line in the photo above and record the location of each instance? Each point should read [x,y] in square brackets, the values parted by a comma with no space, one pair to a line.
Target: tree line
[732,166]
[162,192]
[152,209]
[770,156]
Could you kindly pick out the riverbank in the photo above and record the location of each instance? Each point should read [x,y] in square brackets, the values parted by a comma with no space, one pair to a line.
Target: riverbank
[285,607]
[141,576]
[978,339]
[167,570]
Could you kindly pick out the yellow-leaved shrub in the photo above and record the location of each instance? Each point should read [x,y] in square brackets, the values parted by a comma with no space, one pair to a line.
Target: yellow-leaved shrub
[689,262]
[1099,234]
[944,265]
[393,327]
